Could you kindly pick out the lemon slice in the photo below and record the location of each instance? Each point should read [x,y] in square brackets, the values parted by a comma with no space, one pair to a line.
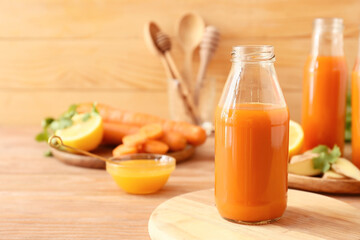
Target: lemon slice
[296,138]
[86,132]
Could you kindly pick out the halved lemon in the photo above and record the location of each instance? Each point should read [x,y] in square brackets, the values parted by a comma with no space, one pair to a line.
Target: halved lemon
[296,138]
[85,133]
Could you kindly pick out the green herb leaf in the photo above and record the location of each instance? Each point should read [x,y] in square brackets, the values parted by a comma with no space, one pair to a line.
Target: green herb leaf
[50,125]
[326,157]
[320,149]
[335,152]
[326,167]
[42,137]
[94,109]
[86,117]
[46,122]
[347,135]
[48,153]
[70,112]
[61,124]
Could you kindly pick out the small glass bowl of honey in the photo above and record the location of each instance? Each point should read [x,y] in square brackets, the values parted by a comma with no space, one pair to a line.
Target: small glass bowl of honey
[141,173]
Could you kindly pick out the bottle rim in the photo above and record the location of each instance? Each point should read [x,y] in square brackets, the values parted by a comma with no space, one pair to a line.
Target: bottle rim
[253,53]
[328,23]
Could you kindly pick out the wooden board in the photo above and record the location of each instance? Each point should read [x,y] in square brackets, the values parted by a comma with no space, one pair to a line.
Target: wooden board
[53,49]
[317,184]
[41,198]
[308,216]
[85,19]
[91,162]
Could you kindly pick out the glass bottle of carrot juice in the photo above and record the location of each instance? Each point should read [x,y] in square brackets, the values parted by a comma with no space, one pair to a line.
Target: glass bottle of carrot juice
[355,106]
[324,86]
[251,140]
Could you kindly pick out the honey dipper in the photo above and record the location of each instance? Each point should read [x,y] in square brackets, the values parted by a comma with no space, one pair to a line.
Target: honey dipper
[150,31]
[208,47]
[163,42]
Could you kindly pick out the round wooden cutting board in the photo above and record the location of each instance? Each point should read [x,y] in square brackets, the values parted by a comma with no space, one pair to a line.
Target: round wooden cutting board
[308,216]
[91,162]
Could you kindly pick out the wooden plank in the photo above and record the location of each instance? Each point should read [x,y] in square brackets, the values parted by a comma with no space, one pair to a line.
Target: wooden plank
[24,107]
[41,198]
[79,64]
[98,46]
[127,64]
[113,18]
[45,198]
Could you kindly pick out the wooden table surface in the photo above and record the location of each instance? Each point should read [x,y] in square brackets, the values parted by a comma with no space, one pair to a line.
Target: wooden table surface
[41,198]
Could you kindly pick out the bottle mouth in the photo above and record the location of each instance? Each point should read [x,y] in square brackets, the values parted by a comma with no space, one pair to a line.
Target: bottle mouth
[329,23]
[253,53]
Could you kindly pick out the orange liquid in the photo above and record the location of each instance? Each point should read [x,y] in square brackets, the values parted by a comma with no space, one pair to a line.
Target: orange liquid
[355,130]
[324,101]
[140,176]
[251,156]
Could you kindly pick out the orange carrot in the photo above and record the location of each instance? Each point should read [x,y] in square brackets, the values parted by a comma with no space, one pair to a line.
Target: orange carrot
[154,146]
[134,140]
[152,131]
[174,140]
[110,114]
[123,150]
[114,132]
[195,135]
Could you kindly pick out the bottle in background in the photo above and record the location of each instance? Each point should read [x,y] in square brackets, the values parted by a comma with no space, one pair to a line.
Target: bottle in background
[324,86]
[251,140]
[355,105]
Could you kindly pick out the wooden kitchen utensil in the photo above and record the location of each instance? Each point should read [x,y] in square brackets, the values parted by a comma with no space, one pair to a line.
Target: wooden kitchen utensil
[160,45]
[57,143]
[308,216]
[164,44]
[208,46]
[190,30]
[150,31]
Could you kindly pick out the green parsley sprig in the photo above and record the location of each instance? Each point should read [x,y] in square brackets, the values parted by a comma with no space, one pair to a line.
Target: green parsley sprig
[326,157]
[50,125]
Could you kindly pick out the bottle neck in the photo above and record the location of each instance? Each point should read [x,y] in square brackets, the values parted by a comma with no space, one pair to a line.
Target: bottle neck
[251,68]
[252,60]
[327,38]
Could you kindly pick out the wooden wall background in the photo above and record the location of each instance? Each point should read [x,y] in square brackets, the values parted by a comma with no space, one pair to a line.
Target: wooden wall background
[57,52]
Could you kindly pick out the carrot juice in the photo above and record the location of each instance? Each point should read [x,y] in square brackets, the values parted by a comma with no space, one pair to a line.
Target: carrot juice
[355,117]
[324,101]
[251,156]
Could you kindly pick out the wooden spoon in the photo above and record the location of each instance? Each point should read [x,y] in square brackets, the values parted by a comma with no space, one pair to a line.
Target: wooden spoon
[150,31]
[208,47]
[190,30]
[164,44]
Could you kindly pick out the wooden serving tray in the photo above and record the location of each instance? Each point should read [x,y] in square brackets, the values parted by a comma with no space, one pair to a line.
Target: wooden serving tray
[308,216]
[317,184]
[90,162]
